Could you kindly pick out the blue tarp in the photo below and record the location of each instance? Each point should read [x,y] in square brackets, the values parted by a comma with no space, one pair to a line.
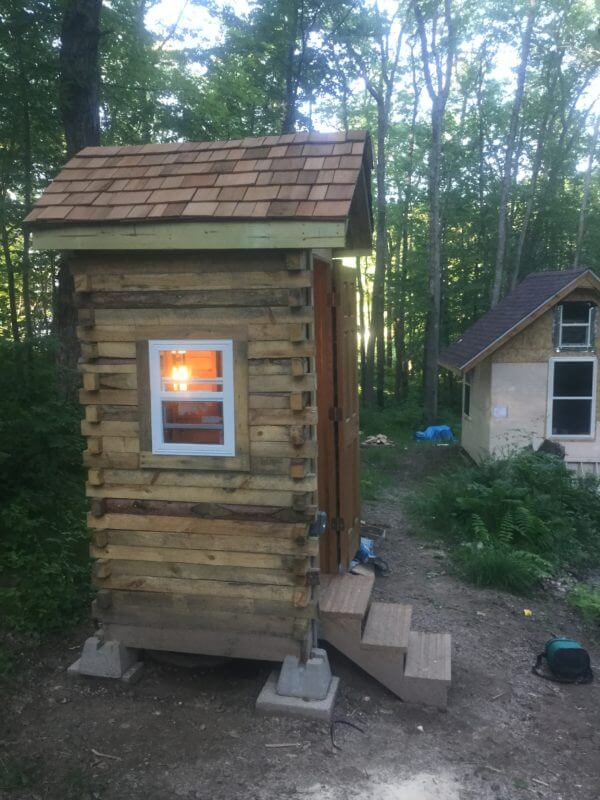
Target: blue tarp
[436,433]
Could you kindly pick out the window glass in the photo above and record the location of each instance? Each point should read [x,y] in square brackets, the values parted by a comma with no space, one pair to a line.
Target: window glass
[191,370]
[576,312]
[191,397]
[571,417]
[193,422]
[467,392]
[573,401]
[575,319]
[573,378]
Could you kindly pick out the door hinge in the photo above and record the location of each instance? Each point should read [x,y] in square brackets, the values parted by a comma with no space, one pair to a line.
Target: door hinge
[337,524]
[335,414]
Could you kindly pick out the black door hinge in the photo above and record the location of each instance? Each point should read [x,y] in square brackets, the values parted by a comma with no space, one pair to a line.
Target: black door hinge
[337,524]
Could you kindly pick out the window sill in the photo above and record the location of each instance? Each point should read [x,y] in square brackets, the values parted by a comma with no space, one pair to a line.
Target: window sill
[569,438]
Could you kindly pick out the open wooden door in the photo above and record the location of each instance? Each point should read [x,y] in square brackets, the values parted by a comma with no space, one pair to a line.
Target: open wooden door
[348,443]
[337,402]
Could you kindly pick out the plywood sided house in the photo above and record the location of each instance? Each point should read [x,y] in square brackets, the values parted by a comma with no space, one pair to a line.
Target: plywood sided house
[529,369]
[218,362]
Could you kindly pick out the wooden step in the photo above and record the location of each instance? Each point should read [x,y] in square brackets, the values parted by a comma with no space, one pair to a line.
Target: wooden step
[387,627]
[345,595]
[427,670]
[428,656]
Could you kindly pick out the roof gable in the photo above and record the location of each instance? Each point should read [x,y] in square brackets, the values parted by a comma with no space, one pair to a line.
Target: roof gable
[531,298]
[302,176]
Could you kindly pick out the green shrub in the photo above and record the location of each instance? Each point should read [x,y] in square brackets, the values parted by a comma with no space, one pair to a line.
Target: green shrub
[493,560]
[586,600]
[527,510]
[44,575]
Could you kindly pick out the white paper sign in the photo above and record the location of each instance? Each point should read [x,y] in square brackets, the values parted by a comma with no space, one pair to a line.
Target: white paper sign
[500,412]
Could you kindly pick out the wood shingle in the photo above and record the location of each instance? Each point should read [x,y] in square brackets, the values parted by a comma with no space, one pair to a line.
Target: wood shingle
[294,176]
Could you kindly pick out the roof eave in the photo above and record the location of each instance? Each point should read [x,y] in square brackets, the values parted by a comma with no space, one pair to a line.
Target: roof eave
[194,235]
[524,322]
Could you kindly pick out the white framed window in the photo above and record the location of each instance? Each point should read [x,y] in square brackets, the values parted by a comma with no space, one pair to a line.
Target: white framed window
[192,397]
[575,325]
[467,388]
[572,398]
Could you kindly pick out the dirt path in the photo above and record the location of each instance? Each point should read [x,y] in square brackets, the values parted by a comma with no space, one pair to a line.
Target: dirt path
[193,734]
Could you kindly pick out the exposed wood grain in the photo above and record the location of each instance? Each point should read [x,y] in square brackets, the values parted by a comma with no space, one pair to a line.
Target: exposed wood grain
[204,463]
[293,594]
[195,494]
[191,281]
[191,606]
[201,316]
[231,644]
[227,298]
[184,555]
[242,575]
[121,477]
[222,527]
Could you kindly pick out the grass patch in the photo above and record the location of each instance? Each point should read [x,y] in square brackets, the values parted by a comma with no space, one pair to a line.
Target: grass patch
[398,422]
[377,463]
[586,599]
[511,522]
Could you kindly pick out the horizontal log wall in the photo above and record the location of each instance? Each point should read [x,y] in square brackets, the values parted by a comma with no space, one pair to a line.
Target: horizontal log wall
[202,554]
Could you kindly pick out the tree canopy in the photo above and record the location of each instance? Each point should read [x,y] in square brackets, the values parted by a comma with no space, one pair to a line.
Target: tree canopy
[483,118]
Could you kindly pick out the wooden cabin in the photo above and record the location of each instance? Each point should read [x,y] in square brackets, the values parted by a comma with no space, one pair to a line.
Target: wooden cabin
[218,354]
[529,369]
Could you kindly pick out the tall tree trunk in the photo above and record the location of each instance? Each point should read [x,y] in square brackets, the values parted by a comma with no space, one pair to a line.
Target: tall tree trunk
[438,94]
[434,286]
[79,103]
[390,303]
[401,371]
[27,165]
[362,323]
[10,280]
[585,198]
[375,365]
[507,174]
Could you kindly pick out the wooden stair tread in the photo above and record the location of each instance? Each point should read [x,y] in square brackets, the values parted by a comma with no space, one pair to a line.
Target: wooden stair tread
[345,595]
[388,626]
[428,656]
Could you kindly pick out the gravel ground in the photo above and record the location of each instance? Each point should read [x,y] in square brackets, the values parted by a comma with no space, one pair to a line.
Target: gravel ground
[193,734]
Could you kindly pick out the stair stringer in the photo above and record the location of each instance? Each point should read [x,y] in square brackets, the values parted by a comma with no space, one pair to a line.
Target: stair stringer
[387,668]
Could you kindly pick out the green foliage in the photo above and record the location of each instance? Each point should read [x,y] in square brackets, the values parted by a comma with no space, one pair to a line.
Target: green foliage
[514,520]
[493,560]
[44,573]
[586,600]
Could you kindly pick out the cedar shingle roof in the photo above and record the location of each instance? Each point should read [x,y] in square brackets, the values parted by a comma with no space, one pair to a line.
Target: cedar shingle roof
[535,291]
[293,176]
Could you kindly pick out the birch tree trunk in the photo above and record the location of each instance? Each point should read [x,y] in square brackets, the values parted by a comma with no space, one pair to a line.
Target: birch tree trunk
[585,198]
[507,172]
[438,93]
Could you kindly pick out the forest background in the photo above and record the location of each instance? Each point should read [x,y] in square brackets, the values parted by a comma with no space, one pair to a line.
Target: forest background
[484,117]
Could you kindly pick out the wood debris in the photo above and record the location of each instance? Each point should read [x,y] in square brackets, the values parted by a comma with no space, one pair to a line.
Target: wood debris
[380,439]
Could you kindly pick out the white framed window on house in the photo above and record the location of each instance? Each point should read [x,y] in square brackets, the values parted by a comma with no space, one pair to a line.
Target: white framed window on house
[467,389]
[574,325]
[572,398]
[192,397]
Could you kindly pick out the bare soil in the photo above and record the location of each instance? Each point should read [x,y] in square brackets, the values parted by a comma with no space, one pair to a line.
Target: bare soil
[193,733]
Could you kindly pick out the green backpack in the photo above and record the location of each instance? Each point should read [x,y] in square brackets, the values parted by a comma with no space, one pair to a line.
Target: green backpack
[567,661]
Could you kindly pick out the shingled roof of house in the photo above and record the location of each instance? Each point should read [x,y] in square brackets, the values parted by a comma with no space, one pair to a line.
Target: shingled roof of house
[519,308]
[310,176]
